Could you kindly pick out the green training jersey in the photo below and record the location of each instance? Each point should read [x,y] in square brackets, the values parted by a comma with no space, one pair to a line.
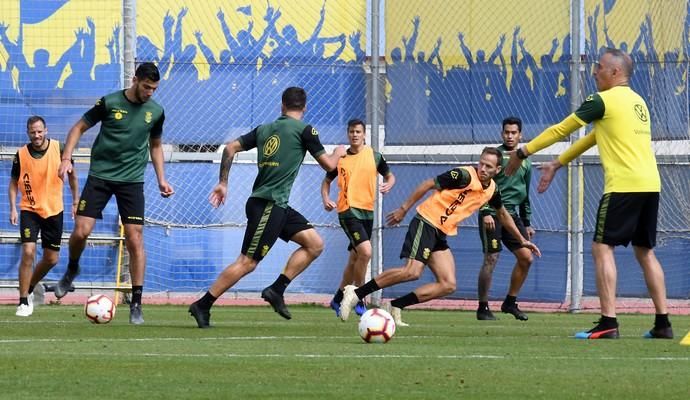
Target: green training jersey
[120,151]
[514,189]
[281,147]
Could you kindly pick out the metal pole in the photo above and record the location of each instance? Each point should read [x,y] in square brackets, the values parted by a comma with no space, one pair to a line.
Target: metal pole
[575,228]
[129,25]
[376,239]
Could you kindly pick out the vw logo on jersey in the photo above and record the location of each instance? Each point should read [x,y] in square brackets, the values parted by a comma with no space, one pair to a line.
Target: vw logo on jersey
[271,146]
[641,112]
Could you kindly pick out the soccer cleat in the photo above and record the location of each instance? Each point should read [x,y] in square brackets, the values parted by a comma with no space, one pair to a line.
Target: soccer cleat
[348,302]
[513,309]
[659,333]
[396,313]
[360,308]
[202,317]
[24,310]
[136,316]
[276,301]
[335,307]
[484,314]
[598,332]
[64,285]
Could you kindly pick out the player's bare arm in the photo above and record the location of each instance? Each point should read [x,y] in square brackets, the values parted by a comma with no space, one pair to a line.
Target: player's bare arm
[509,224]
[328,204]
[329,162]
[12,192]
[156,151]
[74,189]
[219,192]
[387,184]
[548,172]
[397,215]
[73,137]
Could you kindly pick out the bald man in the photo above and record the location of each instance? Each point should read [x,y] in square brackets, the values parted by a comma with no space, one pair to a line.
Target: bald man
[628,209]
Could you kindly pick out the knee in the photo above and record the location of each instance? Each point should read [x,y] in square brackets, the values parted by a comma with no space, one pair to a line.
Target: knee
[412,274]
[315,248]
[28,253]
[490,260]
[525,262]
[246,264]
[51,259]
[134,246]
[643,253]
[78,235]
[363,254]
[448,288]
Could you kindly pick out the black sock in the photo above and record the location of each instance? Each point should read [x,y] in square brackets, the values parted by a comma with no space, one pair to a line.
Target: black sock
[407,300]
[281,284]
[136,294]
[608,322]
[510,299]
[31,289]
[207,301]
[483,305]
[661,321]
[23,300]
[367,289]
[73,266]
[338,296]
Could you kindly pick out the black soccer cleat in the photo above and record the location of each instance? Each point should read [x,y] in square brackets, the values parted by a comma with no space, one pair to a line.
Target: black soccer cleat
[202,317]
[513,309]
[276,301]
[659,333]
[484,314]
[64,285]
[599,332]
[136,316]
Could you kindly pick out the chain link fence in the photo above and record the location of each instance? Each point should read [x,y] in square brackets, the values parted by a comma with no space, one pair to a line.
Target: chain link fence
[450,72]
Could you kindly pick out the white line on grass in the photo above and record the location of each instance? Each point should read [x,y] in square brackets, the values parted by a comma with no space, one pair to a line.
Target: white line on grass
[363,356]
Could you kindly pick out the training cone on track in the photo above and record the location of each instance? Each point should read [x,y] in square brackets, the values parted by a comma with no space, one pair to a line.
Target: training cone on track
[686,340]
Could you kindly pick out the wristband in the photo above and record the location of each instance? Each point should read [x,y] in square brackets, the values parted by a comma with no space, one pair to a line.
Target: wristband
[520,154]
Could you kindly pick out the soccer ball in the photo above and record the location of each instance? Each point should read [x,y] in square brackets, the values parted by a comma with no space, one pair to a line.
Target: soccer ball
[376,326]
[99,309]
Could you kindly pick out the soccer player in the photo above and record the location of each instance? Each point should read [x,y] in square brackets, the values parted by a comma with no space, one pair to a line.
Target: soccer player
[131,128]
[281,146]
[457,194]
[36,166]
[628,209]
[357,176]
[515,195]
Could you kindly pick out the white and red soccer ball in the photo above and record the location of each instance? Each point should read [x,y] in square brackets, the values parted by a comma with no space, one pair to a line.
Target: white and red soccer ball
[99,309]
[376,326]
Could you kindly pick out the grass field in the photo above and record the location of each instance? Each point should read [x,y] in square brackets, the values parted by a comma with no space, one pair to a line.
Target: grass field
[251,353]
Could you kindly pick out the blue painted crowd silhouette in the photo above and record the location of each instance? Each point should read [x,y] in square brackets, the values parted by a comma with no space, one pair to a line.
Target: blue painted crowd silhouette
[451,104]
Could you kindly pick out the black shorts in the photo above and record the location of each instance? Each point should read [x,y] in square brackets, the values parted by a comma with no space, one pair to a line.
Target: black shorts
[627,217]
[357,230]
[421,240]
[266,222]
[129,196]
[491,240]
[31,223]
